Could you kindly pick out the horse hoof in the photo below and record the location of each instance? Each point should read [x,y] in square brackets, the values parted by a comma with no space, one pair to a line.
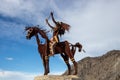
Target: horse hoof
[48,71]
[75,74]
[45,73]
[68,74]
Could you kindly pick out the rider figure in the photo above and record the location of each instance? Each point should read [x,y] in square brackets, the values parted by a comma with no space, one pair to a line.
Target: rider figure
[55,38]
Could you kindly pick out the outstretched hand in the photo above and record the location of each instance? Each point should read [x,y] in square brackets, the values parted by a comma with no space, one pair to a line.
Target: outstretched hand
[51,13]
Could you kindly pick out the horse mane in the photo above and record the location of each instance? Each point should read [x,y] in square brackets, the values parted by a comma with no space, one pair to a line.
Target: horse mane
[42,32]
[27,27]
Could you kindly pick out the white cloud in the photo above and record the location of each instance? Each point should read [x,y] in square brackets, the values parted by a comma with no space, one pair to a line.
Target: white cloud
[14,75]
[17,7]
[26,10]
[9,58]
[95,25]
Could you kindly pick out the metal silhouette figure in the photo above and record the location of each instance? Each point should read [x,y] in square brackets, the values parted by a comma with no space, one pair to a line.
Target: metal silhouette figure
[62,48]
[59,29]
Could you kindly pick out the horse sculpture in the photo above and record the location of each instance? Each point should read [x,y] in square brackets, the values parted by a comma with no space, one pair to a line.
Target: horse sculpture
[62,48]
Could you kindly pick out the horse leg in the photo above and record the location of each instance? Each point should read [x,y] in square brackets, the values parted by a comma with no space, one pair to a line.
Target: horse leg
[47,64]
[71,56]
[66,59]
[75,64]
[44,64]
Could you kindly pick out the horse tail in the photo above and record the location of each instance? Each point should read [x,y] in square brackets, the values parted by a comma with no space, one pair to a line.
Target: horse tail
[74,46]
[83,50]
[80,47]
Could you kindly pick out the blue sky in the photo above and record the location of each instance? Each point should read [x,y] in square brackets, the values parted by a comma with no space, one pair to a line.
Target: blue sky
[94,23]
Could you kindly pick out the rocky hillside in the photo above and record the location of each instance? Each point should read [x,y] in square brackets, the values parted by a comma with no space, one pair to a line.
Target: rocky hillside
[106,67]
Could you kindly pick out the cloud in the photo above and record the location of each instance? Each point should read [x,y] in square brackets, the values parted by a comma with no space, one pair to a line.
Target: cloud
[95,24]
[15,75]
[15,15]
[9,58]
[17,8]
[31,11]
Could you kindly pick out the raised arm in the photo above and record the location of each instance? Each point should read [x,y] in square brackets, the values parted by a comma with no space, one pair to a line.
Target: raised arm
[53,18]
[49,24]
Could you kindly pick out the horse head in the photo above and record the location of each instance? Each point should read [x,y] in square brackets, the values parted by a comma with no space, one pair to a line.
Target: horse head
[31,31]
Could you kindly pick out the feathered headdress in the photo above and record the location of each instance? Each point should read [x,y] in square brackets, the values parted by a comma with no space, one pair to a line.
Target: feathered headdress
[63,27]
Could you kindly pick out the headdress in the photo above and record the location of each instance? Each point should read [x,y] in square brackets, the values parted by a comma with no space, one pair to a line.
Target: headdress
[63,27]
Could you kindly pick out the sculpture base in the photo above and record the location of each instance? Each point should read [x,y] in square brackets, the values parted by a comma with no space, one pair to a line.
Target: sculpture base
[57,77]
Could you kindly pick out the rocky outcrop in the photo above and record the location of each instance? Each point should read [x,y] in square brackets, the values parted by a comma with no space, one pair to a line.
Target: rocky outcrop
[57,77]
[106,67]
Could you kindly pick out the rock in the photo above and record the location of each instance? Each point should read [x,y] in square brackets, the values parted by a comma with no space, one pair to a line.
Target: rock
[57,77]
[106,67]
